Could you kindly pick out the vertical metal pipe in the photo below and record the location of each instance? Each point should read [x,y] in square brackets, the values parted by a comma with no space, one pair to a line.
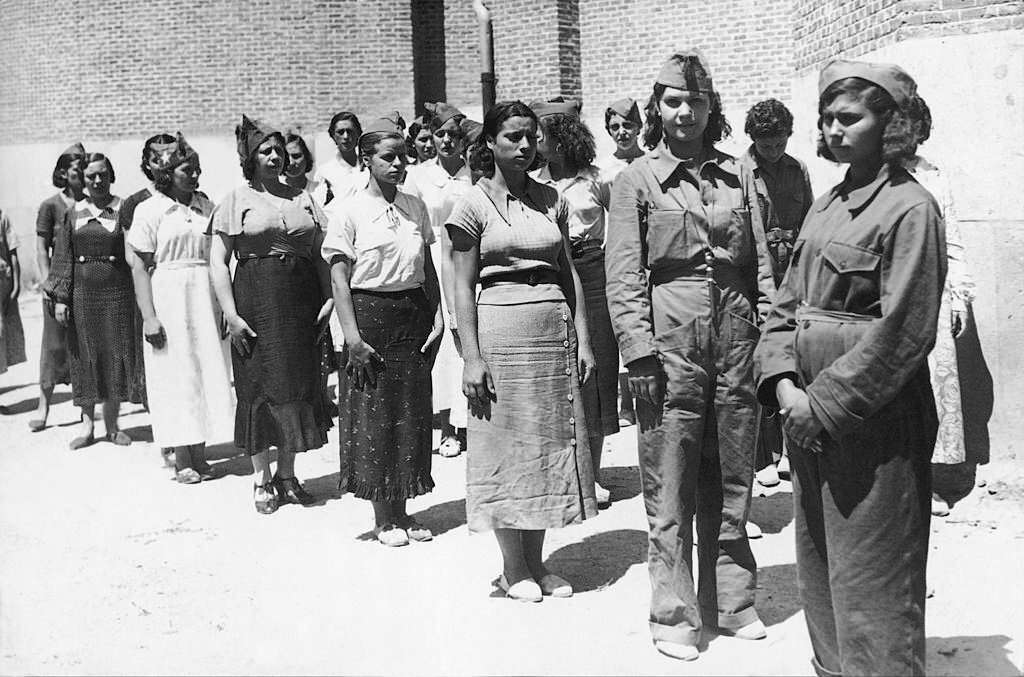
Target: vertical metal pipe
[487,79]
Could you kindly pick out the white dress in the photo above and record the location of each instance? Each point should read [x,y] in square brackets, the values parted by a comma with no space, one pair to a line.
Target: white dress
[439,191]
[188,381]
[957,295]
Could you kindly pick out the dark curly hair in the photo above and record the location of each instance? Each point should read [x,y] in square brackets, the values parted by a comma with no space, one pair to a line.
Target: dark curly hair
[501,111]
[718,127]
[307,154]
[156,138]
[921,116]
[899,143]
[410,138]
[574,136]
[768,118]
[249,164]
[64,163]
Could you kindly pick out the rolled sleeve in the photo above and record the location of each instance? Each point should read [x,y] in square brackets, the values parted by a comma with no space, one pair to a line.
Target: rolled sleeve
[629,302]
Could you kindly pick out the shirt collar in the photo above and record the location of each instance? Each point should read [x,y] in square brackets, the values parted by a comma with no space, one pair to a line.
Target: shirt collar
[105,212]
[199,204]
[858,198]
[665,164]
[750,158]
[500,197]
[543,175]
[376,207]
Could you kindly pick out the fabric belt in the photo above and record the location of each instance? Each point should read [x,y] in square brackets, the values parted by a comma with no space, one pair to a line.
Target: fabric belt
[98,259]
[275,255]
[578,249]
[530,277]
[181,263]
[836,316]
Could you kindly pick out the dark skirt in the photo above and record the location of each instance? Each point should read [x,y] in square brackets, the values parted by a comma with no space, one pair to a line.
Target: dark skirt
[104,340]
[384,428]
[53,354]
[280,399]
[600,393]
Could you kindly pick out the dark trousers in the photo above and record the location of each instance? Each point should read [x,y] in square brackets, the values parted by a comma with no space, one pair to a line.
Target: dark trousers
[696,459]
[862,518]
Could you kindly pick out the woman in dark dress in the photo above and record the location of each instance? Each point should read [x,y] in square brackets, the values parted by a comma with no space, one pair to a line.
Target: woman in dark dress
[53,357]
[91,285]
[275,308]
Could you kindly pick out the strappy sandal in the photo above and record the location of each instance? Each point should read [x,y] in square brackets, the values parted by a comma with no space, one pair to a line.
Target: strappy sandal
[269,505]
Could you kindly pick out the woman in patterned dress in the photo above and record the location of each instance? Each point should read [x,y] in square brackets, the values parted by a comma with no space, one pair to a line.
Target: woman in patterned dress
[275,307]
[53,357]
[12,334]
[388,304]
[91,285]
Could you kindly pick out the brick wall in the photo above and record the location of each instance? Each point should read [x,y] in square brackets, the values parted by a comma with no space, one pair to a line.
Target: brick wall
[749,44]
[126,68]
[462,53]
[829,28]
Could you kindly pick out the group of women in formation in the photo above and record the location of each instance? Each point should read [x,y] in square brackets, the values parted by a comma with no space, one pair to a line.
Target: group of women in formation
[496,273]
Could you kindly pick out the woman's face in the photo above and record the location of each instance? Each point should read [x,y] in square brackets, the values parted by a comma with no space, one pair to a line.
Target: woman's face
[771,148]
[270,158]
[387,164]
[185,177]
[548,146]
[423,145]
[345,135]
[448,140]
[623,131]
[97,179]
[297,164]
[515,145]
[852,132]
[76,182]
[684,114]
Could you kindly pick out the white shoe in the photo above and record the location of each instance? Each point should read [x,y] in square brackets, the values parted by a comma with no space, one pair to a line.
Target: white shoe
[449,447]
[754,531]
[683,652]
[555,585]
[782,467]
[525,590]
[603,496]
[755,630]
[939,507]
[768,476]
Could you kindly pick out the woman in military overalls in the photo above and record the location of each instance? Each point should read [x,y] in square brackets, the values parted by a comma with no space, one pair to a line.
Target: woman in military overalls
[688,270]
[844,358]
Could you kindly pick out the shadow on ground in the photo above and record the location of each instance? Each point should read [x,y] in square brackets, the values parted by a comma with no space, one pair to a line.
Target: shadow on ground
[599,560]
[772,513]
[7,389]
[30,403]
[966,655]
[440,518]
[139,433]
[622,481]
[777,598]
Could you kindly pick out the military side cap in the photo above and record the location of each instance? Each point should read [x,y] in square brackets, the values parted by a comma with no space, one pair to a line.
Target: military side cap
[75,149]
[626,108]
[556,106]
[250,134]
[381,126]
[687,69]
[890,77]
[441,111]
[471,129]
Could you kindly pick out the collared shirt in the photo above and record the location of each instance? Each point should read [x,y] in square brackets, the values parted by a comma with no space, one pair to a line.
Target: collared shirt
[612,165]
[514,235]
[438,189]
[340,178]
[587,198]
[878,253]
[667,217]
[172,231]
[384,240]
[784,195]
[85,212]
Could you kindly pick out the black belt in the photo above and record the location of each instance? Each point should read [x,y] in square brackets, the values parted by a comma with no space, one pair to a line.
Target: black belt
[530,277]
[98,259]
[579,249]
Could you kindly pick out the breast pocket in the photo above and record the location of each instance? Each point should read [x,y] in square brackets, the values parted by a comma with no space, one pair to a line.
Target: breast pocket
[858,272]
[670,237]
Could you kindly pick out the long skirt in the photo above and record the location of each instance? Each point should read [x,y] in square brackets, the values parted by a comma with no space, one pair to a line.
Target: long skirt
[384,427]
[600,392]
[53,354]
[280,400]
[12,340]
[446,375]
[188,380]
[529,466]
[949,446]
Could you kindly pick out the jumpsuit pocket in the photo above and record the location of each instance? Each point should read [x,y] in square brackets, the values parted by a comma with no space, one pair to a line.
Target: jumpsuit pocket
[743,329]
[849,258]
[670,237]
[739,244]
[680,356]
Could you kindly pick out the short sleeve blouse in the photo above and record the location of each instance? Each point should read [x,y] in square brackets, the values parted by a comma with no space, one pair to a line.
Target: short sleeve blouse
[51,215]
[172,231]
[514,235]
[385,241]
[264,225]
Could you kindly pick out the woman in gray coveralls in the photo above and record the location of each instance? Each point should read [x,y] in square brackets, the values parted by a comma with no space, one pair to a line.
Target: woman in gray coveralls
[688,278]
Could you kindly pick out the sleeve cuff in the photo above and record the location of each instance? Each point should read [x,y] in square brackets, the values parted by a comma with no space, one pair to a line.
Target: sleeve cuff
[633,350]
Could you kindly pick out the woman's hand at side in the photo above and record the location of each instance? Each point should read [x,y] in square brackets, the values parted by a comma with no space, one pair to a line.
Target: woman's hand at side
[646,379]
[153,332]
[799,421]
[60,313]
[477,383]
[586,362]
[241,334]
[362,363]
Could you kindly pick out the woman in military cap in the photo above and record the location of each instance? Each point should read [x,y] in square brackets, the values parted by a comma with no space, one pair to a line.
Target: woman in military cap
[844,359]
[688,279]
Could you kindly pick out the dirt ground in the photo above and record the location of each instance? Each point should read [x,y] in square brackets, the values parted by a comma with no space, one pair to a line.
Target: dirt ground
[109,567]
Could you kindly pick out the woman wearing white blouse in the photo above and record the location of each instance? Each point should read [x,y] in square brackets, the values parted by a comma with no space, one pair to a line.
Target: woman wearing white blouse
[388,305]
